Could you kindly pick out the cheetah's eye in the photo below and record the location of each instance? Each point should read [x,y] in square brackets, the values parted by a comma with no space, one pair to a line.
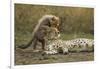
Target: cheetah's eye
[53,18]
[58,32]
[57,46]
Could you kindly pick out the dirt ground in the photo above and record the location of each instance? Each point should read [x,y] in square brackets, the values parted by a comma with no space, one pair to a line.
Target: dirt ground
[27,57]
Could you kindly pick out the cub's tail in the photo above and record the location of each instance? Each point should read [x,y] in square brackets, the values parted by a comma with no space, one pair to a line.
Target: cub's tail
[26,46]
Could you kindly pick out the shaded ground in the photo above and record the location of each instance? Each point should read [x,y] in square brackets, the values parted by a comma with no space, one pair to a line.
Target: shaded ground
[27,56]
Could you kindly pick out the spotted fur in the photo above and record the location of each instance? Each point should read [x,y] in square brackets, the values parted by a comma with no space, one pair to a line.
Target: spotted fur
[56,46]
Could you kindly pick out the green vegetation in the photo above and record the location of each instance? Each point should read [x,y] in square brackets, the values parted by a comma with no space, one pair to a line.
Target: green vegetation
[26,38]
[76,22]
[79,35]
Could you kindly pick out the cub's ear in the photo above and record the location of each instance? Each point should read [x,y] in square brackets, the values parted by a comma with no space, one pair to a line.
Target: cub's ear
[55,18]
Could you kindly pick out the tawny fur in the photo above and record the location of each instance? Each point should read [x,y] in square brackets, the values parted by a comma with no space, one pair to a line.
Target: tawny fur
[41,30]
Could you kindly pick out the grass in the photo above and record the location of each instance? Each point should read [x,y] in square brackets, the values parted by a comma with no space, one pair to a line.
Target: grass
[72,19]
[24,57]
[72,36]
[24,38]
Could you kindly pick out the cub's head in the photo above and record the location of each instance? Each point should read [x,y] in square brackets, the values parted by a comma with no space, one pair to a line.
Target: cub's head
[53,33]
[55,22]
[50,20]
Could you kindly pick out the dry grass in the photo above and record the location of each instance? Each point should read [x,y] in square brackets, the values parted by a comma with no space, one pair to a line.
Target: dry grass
[76,22]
